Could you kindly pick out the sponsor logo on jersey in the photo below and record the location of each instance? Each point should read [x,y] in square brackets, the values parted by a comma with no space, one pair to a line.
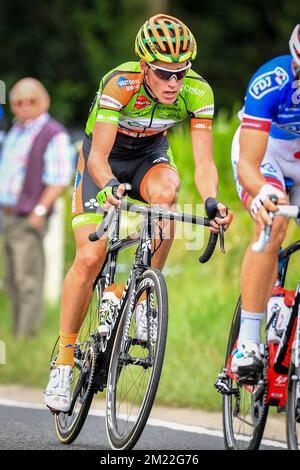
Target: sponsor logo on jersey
[123,81]
[290,127]
[77,180]
[204,111]
[91,204]
[161,159]
[267,82]
[192,90]
[201,125]
[261,124]
[268,167]
[142,102]
[106,100]
[102,117]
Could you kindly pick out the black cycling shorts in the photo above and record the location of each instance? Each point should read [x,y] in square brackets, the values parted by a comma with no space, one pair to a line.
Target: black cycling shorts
[130,159]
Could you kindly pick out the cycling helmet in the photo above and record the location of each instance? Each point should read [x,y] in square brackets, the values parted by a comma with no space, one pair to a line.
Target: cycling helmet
[295,44]
[165,38]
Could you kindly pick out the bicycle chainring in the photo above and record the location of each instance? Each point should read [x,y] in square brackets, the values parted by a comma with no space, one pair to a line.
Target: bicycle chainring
[88,369]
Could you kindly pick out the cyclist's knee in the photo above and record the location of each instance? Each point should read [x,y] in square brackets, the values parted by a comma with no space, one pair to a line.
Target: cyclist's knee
[88,262]
[166,195]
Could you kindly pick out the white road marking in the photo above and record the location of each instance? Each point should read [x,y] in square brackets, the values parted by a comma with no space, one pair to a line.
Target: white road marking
[151,422]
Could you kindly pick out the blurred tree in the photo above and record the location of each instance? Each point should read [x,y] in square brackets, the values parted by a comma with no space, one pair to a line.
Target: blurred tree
[158,6]
[69,45]
[235,38]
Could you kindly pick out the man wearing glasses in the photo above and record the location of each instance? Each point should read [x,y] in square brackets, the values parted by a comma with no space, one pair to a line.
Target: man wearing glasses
[126,142]
[37,164]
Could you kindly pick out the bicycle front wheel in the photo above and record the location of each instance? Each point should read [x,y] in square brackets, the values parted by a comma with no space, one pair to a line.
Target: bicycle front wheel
[68,425]
[136,363]
[244,409]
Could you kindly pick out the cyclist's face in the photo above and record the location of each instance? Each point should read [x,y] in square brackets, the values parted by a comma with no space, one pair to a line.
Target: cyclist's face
[165,90]
[296,69]
[28,100]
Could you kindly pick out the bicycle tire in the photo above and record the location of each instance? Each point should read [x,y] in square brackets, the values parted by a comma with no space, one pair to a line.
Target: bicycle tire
[114,419]
[68,433]
[235,440]
[293,409]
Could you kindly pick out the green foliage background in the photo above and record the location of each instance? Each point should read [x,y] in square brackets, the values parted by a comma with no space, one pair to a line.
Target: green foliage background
[70,45]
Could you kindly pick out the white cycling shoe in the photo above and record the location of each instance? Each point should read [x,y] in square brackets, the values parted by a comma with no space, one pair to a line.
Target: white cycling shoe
[246,361]
[141,332]
[57,395]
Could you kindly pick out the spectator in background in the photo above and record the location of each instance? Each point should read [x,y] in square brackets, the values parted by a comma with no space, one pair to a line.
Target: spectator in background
[2,134]
[36,165]
[2,124]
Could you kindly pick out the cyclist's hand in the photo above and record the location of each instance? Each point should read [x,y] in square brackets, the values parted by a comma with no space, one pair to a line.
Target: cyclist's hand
[212,206]
[111,193]
[227,217]
[262,204]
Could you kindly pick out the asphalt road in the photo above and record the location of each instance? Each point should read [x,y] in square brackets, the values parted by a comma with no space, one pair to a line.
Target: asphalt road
[26,428]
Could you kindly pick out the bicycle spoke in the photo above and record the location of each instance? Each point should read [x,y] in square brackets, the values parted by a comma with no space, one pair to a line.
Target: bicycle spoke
[130,395]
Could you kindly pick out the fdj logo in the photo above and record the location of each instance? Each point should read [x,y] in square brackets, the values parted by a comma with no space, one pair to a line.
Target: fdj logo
[268,82]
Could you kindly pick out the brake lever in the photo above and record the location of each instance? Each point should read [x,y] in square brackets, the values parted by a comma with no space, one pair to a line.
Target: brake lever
[222,234]
[222,239]
[261,244]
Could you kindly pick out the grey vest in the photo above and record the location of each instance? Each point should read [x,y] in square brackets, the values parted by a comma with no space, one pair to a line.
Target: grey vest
[33,185]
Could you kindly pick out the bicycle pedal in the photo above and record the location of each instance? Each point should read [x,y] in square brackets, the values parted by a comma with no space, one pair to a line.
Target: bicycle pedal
[222,384]
[222,388]
[281,409]
[53,411]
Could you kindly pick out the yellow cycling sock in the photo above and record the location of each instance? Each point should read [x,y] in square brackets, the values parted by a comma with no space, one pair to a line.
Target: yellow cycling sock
[142,297]
[66,349]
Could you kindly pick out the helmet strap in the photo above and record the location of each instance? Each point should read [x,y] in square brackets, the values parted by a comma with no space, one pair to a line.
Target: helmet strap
[148,89]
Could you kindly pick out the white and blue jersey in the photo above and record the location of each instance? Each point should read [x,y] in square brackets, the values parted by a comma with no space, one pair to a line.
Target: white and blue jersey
[272,101]
[272,104]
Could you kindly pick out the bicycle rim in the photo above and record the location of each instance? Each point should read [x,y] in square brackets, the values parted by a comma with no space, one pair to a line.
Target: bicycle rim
[293,409]
[135,366]
[244,417]
[69,425]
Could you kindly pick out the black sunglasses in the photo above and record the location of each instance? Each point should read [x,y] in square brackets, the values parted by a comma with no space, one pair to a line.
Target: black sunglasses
[167,74]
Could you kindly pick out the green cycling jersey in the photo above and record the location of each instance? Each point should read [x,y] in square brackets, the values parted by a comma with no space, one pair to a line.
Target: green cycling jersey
[123,100]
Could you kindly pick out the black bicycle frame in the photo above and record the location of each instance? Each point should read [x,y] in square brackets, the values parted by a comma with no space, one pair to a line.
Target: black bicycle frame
[142,262]
[108,271]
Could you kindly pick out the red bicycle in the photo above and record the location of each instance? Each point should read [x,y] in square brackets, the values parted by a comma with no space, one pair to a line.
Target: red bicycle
[246,406]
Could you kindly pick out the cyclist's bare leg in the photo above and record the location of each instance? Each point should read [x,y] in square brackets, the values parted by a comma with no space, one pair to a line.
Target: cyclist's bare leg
[259,270]
[78,284]
[161,187]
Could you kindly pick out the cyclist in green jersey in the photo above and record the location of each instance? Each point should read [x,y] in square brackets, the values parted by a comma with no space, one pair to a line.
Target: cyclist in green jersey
[126,142]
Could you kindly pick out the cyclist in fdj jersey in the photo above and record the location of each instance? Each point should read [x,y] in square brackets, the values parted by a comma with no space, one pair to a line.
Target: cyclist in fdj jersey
[126,141]
[265,150]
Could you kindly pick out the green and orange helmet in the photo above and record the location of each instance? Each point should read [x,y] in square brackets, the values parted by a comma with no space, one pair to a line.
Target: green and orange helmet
[165,38]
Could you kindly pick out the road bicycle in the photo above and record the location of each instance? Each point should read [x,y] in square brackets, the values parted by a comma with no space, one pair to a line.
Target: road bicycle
[128,368]
[246,405]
